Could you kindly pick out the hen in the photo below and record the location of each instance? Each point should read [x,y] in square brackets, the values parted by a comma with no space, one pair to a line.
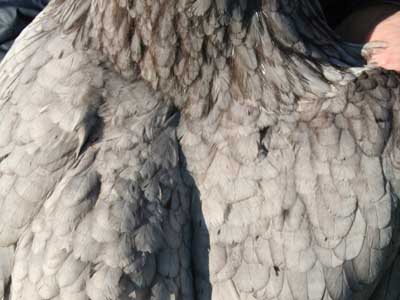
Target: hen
[207,149]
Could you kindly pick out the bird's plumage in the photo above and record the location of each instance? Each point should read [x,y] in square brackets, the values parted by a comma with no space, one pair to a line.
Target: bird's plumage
[208,150]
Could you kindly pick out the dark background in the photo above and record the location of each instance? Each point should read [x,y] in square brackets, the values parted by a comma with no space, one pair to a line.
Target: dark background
[15,15]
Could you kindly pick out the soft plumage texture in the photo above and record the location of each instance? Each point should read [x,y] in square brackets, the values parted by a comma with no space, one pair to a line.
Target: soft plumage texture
[93,201]
[141,137]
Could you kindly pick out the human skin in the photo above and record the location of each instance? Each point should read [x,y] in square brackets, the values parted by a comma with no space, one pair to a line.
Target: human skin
[387,31]
[379,27]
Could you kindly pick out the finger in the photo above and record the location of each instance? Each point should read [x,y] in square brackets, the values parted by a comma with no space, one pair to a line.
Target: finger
[371,49]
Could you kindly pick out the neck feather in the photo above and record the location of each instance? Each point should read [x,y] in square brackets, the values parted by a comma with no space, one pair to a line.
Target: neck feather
[207,51]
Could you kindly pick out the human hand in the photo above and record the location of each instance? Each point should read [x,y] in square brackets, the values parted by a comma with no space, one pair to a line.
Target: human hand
[383,47]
